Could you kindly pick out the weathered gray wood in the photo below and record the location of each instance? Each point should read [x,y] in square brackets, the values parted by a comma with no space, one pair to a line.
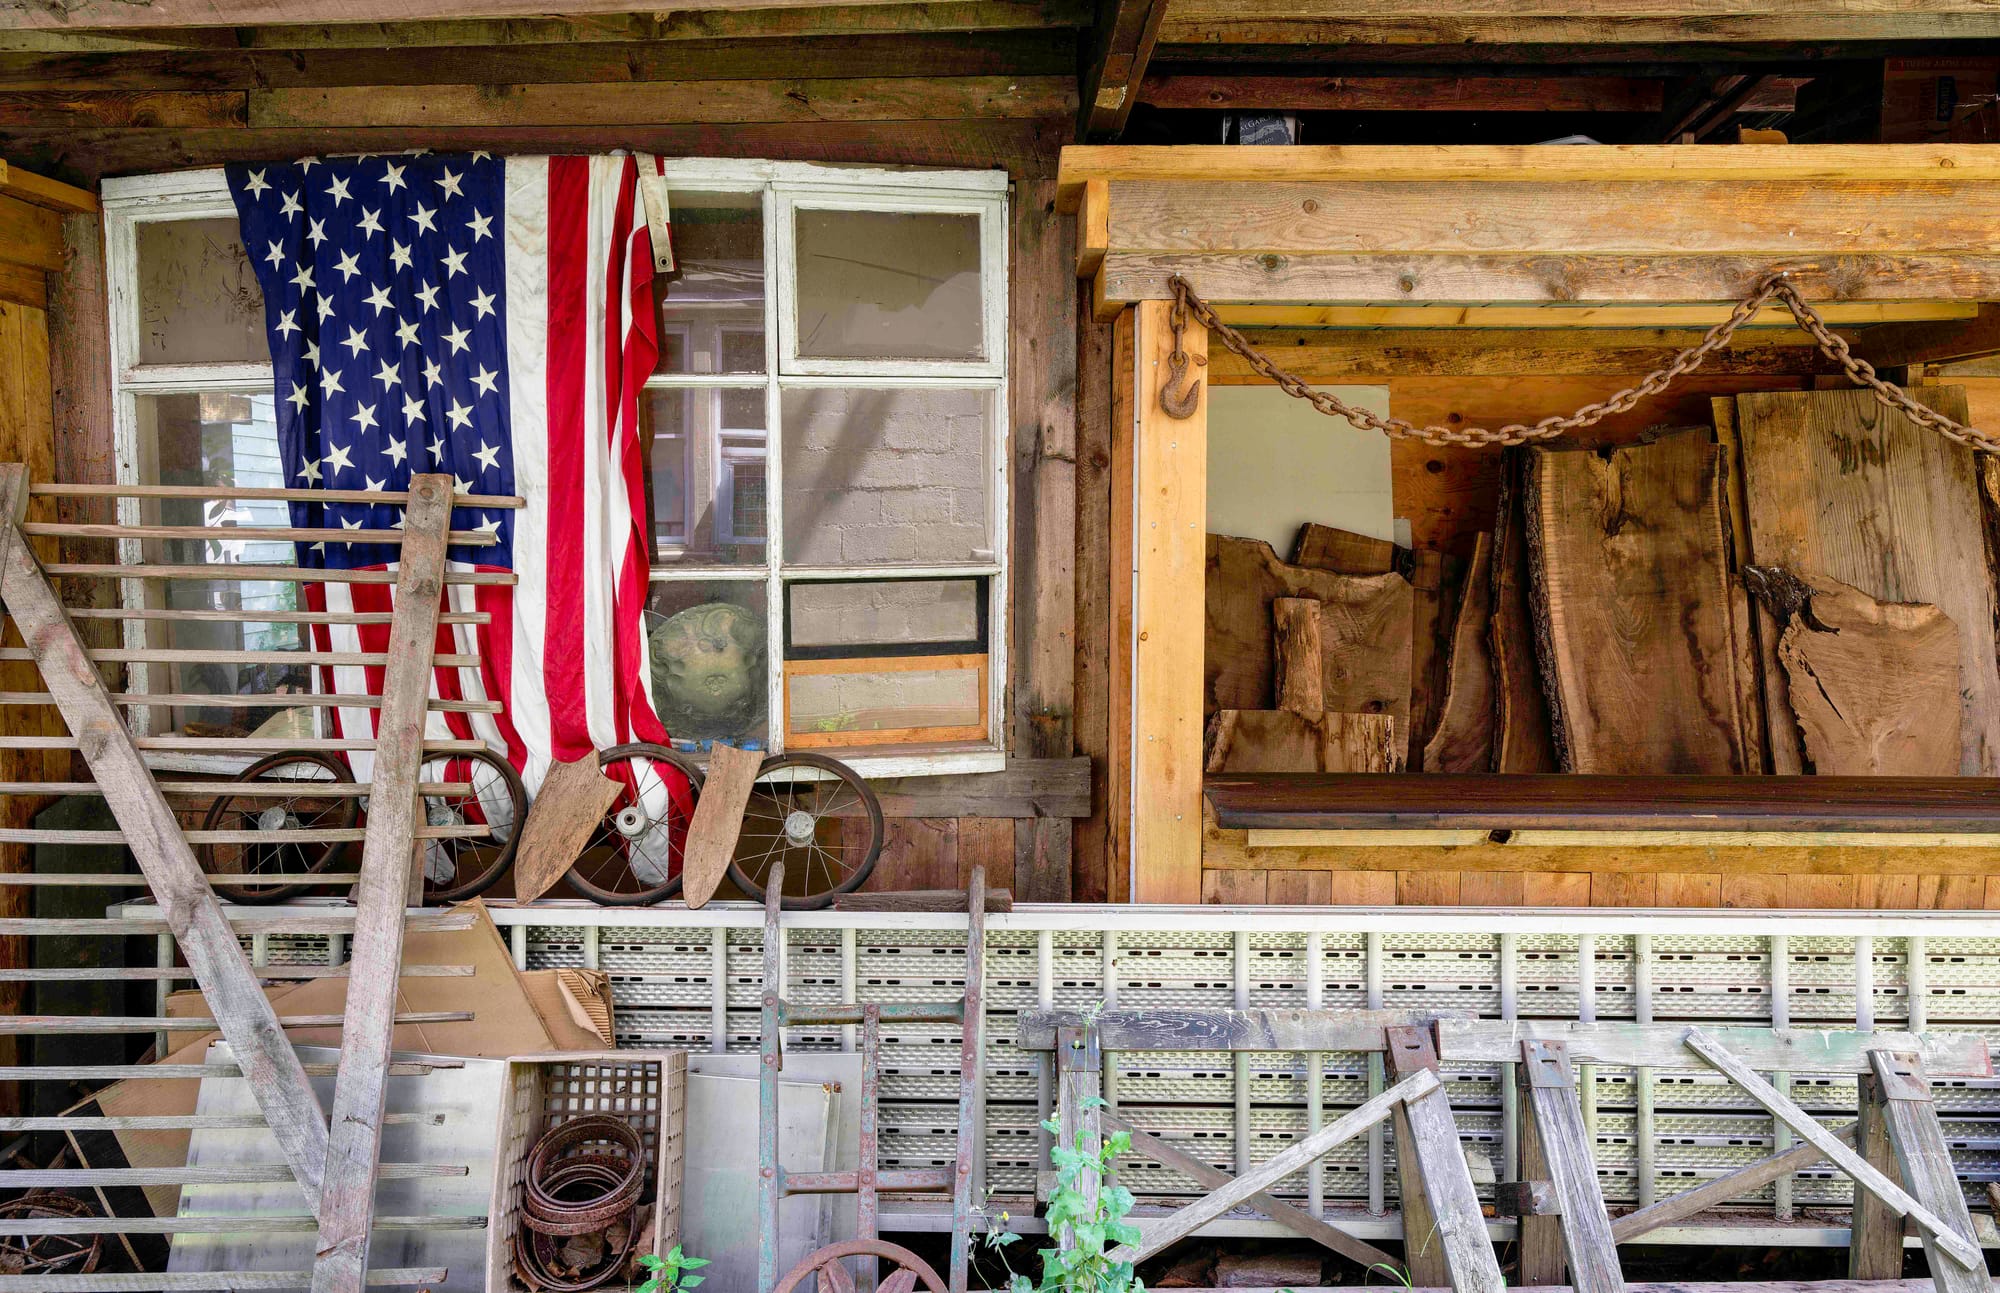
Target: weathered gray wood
[96,973]
[1427,1139]
[1026,788]
[333,922]
[1539,1249]
[1299,1223]
[1079,1117]
[1224,1030]
[71,1025]
[1790,1050]
[1268,1173]
[1722,1189]
[1411,1051]
[389,868]
[1925,1160]
[189,908]
[1942,1235]
[1875,1242]
[211,1225]
[180,1072]
[1564,1144]
[62,1178]
[200,1282]
[172,1122]
[569,806]
[1000,900]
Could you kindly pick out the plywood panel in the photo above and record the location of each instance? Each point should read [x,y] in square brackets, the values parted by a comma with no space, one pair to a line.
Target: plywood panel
[1840,487]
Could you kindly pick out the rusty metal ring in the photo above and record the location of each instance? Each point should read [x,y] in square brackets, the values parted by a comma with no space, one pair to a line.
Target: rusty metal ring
[50,1254]
[911,1269]
[593,1213]
[534,1254]
[547,1157]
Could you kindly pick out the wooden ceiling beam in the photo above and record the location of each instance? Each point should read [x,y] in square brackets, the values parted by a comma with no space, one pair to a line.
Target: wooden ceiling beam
[927,54]
[86,15]
[1022,146]
[1599,22]
[1335,355]
[1902,345]
[1114,65]
[1788,58]
[1403,93]
[614,25]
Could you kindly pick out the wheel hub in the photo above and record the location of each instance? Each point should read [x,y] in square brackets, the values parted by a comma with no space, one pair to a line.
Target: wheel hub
[631,822]
[800,826]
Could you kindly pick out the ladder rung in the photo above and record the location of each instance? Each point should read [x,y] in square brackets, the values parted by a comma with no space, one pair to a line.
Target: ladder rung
[261,574]
[11,1025]
[263,700]
[195,1282]
[244,920]
[261,617]
[178,1072]
[388,498]
[301,835]
[171,655]
[68,1178]
[271,788]
[212,1225]
[244,533]
[237,744]
[179,973]
[181,1122]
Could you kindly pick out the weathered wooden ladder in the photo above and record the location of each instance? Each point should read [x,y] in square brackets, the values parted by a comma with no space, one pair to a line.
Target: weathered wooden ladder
[336,1171]
[1565,1227]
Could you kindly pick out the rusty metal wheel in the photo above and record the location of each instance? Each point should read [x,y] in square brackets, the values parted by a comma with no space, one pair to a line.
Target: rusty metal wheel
[22,1255]
[826,1262]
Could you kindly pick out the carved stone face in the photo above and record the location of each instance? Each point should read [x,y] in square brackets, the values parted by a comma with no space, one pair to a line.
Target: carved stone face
[708,670]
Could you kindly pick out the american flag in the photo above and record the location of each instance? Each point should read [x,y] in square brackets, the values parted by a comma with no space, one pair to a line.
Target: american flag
[490,318]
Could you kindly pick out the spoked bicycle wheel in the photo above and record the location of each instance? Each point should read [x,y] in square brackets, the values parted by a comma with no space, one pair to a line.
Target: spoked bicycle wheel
[820,819]
[297,790]
[633,857]
[461,867]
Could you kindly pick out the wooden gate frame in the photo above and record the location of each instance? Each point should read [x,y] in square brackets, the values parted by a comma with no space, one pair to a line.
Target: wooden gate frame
[1565,1224]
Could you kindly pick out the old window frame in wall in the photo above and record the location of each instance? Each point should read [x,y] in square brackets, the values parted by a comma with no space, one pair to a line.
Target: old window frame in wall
[782,188]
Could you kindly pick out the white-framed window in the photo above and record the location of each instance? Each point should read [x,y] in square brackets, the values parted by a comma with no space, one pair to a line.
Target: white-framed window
[828,469]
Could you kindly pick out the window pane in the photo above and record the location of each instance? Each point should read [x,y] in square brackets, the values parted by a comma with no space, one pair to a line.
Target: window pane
[198,296]
[708,448]
[710,679]
[712,303]
[883,613]
[882,477]
[220,439]
[889,285]
[856,702]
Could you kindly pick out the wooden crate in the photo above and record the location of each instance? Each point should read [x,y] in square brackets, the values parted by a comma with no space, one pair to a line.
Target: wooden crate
[647,1088]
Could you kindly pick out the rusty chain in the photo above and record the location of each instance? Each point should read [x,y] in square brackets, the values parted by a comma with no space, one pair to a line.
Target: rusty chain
[1178,395]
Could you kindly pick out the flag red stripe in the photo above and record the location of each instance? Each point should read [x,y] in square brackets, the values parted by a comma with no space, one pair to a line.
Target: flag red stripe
[569,257]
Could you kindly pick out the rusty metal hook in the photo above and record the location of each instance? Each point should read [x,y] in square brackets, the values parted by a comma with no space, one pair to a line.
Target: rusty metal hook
[1180,404]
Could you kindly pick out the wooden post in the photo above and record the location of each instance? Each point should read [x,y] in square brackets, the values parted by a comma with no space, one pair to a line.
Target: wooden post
[1875,1242]
[1170,546]
[1904,1094]
[390,860]
[1541,1244]
[971,1147]
[1444,1231]
[1079,1074]
[1562,1148]
[187,904]
[1410,1050]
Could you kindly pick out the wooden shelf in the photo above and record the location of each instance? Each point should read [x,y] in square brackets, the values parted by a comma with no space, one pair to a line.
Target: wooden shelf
[1906,809]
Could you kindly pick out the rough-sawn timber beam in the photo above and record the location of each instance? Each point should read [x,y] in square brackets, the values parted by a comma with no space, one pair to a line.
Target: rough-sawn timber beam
[1114,64]
[82,15]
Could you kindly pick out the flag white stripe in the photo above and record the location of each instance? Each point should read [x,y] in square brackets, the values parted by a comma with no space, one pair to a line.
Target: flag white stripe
[527,232]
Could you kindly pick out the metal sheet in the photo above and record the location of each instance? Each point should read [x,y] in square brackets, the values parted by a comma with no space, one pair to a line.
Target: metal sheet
[719,1206]
[468,1099]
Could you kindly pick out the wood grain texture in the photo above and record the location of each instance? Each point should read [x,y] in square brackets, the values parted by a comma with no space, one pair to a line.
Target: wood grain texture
[1282,740]
[1091,707]
[1924,1158]
[389,873]
[1364,631]
[1640,630]
[718,821]
[1170,475]
[1836,486]
[1522,740]
[1873,684]
[1463,741]
[1295,659]
[571,804]
[1401,93]
[1326,547]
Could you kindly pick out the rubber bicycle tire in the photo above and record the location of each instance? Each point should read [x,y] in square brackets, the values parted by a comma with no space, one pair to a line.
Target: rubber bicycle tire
[264,895]
[658,893]
[820,901]
[487,879]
